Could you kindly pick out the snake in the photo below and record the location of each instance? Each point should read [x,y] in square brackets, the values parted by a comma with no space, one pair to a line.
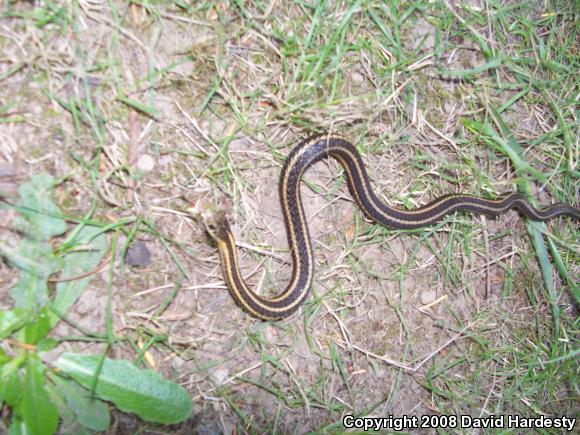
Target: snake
[304,155]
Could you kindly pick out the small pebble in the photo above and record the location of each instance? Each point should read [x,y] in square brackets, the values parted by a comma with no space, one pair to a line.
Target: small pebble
[428,296]
[357,77]
[145,163]
[138,254]
[220,375]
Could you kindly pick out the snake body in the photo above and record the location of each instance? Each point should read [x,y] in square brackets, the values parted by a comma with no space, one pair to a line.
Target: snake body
[301,158]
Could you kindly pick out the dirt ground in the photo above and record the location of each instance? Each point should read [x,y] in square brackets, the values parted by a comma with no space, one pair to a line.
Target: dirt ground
[398,322]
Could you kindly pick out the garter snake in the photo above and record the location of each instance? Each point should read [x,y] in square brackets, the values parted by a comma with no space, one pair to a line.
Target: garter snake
[300,158]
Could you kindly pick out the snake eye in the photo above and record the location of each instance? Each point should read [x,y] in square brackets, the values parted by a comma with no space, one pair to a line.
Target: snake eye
[211,229]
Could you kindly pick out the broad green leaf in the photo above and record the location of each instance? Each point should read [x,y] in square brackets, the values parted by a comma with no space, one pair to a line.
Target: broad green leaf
[31,256]
[143,392]
[77,263]
[38,328]
[11,320]
[11,383]
[40,218]
[46,344]
[90,412]
[11,388]
[17,427]
[68,421]
[38,413]
[36,262]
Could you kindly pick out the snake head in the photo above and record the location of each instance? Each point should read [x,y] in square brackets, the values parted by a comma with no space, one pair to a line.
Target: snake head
[212,218]
[216,224]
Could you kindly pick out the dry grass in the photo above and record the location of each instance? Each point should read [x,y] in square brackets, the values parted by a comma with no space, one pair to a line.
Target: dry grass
[217,94]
